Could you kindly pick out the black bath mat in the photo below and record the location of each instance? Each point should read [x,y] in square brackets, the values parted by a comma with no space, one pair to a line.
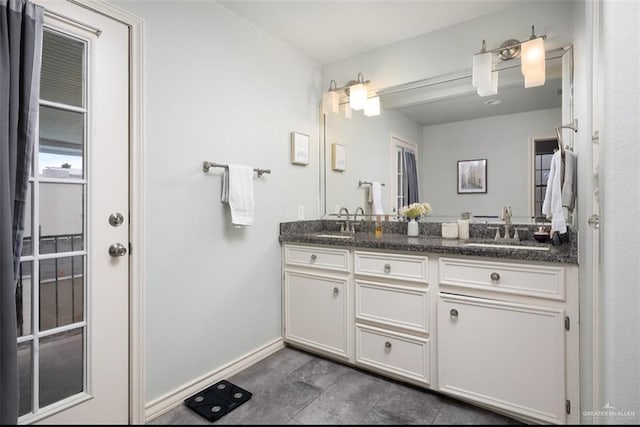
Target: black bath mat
[217,400]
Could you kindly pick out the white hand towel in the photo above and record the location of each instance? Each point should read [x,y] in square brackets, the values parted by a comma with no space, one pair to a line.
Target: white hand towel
[376,198]
[237,191]
[552,205]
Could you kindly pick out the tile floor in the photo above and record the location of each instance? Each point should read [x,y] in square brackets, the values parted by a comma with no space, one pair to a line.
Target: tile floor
[295,387]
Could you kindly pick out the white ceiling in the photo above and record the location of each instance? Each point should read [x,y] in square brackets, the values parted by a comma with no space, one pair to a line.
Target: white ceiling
[330,30]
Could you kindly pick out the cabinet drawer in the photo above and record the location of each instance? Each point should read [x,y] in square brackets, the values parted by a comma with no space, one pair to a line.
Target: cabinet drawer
[523,279]
[317,257]
[401,267]
[398,354]
[400,306]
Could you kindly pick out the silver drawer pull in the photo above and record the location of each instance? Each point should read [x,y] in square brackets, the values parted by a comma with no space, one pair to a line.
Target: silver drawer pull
[314,257]
[336,291]
[453,312]
[387,268]
[495,276]
[387,345]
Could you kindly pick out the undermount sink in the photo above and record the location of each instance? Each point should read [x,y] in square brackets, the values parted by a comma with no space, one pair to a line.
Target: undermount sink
[334,236]
[507,246]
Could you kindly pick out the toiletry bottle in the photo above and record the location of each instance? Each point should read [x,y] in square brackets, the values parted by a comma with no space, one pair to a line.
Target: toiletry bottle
[378,226]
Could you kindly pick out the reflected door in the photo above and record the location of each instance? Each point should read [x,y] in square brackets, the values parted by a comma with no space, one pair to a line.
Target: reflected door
[72,294]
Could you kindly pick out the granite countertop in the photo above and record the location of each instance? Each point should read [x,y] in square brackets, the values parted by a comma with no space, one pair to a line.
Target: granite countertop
[430,241]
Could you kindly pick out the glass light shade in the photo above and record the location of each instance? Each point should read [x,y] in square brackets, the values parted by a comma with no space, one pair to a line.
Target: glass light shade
[482,78]
[330,102]
[533,62]
[347,110]
[357,96]
[372,107]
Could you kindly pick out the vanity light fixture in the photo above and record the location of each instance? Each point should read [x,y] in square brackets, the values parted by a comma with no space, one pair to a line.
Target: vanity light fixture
[331,99]
[533,61]
[358,98]
[532,53]
[358,93]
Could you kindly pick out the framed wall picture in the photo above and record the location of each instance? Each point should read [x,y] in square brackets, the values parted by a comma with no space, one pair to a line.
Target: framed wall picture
[338,157]
[472,176]
[299,148]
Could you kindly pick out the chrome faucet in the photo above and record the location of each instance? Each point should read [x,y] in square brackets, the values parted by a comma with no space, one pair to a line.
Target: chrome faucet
[355,217]
[506,217]
[346,227]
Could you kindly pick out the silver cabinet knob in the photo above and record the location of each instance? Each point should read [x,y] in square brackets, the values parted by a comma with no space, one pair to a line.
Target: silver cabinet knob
[495,276]
[336,291]
[117,249]
[116,219]
[453,312]
[314,257]
[387,345]
[387,268]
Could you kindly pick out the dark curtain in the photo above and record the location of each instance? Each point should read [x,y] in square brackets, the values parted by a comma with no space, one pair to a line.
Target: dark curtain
[20,58]
[410,178]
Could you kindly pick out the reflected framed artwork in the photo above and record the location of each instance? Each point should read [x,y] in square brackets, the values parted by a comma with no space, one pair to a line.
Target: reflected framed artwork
[472,176]
[339,157]
[299,148]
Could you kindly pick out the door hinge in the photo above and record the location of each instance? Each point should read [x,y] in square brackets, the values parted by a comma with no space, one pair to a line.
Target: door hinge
[568,406]
[130,248]
[567,323]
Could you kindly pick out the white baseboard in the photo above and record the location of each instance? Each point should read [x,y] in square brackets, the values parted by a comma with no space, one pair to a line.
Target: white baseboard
[170,400]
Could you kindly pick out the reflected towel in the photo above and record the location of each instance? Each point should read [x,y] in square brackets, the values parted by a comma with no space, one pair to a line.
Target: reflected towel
[376,198]
[569,186]
[552,205]
[237,191]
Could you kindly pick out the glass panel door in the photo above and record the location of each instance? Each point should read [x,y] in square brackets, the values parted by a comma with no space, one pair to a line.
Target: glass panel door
[52,286]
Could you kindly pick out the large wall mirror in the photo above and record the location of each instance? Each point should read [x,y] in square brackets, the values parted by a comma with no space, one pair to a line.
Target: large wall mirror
[446,123]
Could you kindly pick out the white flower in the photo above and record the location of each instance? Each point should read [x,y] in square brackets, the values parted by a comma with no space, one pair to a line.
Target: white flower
[415,210]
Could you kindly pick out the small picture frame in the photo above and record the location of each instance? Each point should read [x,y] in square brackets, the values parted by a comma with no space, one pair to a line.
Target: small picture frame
[472,176]
[338,157]
[299,148]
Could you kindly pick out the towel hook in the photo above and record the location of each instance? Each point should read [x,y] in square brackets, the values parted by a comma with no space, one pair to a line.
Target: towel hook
[573,125]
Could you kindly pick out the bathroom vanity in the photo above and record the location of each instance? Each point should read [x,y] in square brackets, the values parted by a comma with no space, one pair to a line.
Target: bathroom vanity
[496,325]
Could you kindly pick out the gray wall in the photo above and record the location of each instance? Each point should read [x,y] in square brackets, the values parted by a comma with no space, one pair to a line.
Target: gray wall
[216,88]
[503,141]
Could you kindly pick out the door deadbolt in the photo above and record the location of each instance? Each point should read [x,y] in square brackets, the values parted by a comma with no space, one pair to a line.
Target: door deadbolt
[116,219]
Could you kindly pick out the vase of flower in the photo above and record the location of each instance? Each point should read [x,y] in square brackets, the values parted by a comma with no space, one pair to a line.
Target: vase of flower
[413,212]
[413,230]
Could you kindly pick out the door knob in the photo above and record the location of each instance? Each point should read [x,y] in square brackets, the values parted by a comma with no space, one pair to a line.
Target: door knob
[117,249]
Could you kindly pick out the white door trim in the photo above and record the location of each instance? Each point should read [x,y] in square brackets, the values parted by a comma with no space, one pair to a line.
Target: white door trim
[136,202]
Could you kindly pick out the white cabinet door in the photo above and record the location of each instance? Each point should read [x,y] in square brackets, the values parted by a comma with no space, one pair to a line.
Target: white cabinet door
[507,355]
[316,312]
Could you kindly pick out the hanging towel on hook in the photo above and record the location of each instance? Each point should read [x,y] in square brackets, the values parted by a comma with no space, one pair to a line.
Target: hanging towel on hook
[552,205]
[569,185]
[237,191]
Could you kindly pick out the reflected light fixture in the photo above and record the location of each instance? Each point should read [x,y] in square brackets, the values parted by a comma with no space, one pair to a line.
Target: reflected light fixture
[532,53]
[372,107]
[357,98]
[483,79]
